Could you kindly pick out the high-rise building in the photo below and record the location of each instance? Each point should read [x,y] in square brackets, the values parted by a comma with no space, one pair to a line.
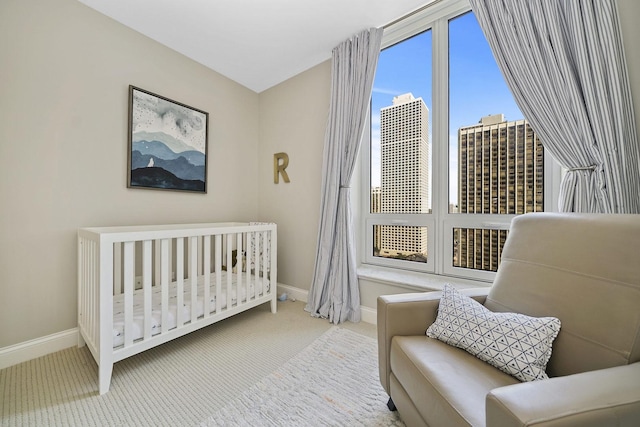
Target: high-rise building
[405,155]
[500,171]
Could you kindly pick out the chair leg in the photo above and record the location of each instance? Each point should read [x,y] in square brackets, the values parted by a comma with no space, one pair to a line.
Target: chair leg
[391,405]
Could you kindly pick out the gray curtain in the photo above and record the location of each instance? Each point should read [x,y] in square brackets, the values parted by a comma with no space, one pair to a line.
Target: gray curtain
[334,292]
[564,63]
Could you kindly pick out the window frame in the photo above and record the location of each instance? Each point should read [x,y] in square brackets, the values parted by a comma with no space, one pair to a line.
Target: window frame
[440,222]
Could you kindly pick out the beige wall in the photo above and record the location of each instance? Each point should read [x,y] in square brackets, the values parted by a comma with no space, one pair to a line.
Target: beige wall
[293,118]
[63,150]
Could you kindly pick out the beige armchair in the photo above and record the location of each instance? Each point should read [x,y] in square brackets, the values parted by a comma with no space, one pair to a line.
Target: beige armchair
[583,269]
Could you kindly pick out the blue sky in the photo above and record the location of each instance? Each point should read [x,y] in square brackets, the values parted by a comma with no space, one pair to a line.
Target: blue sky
[476,88]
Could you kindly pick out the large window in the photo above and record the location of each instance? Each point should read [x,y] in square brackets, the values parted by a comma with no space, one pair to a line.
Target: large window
[450,159]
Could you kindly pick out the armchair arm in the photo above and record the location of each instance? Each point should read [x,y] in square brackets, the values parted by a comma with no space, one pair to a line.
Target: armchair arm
[597,398]
[405,315]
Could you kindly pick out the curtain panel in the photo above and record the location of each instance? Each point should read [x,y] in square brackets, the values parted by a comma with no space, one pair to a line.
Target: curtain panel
[564,63]
[334,292]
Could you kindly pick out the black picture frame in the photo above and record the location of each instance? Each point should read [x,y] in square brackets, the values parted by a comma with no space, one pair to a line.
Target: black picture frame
[168,143]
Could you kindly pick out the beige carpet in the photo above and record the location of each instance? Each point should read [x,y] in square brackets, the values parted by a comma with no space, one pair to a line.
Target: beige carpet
[181,383]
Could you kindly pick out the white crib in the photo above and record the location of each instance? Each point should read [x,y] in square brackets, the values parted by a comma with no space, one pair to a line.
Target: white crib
[141,286]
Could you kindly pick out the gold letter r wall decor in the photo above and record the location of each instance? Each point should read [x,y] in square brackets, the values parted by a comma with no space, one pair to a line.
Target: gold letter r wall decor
[280,163]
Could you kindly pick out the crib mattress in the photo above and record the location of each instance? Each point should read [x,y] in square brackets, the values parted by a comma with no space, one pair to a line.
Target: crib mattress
[255,289]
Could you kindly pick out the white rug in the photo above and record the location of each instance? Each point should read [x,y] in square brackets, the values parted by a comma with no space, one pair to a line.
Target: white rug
[332,382]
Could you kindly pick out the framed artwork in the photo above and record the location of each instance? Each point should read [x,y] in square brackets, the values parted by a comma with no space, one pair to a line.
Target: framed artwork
[167,144]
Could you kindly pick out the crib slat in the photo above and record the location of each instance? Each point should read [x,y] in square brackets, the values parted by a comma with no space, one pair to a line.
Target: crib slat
[146,286]
[199,256]
[229,262]
[256,258]
[206,267]
[157,263]
[180,282]
[193,275]
[128,266]
[265,263]
[239,261]
[117,268]
[95,294]
[259,263]
[249,258]
[218,269]
[164,282]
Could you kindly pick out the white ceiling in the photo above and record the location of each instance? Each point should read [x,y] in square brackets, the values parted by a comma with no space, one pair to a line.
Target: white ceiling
[257,43]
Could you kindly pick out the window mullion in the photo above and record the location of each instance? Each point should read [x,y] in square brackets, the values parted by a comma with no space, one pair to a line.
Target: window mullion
[440,138]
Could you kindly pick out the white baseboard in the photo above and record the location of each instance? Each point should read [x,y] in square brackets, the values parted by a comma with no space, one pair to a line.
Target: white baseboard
[369,315]
[293,293]
[38,347]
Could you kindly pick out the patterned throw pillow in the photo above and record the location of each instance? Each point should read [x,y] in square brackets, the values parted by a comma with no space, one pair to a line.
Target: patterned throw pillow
[514,343]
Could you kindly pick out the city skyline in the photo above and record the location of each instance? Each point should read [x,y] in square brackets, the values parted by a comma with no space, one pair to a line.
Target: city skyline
[501,172]
[406,68]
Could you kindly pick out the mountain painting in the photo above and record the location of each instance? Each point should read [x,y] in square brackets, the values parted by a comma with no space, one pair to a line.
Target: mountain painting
[167,144]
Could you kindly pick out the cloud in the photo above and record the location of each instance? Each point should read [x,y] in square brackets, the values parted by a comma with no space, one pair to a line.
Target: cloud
[153,114]
[386,91]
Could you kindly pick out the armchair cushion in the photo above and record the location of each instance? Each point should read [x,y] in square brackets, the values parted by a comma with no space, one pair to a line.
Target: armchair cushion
[517,344]
[605,397]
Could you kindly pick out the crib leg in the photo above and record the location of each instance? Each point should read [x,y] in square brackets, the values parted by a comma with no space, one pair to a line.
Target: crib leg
[274,305]
[105,372]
